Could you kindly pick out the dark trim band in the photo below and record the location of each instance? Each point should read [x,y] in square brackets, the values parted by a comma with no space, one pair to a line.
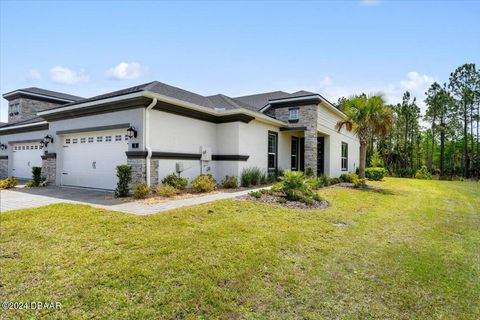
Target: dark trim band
[184,156]
[25,141]
[294,129]
[43,126]
[3,157]
[99,128]
[49,156]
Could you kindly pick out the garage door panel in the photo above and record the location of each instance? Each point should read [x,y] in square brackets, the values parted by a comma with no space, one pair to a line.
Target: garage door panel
[25,156]
[90,159]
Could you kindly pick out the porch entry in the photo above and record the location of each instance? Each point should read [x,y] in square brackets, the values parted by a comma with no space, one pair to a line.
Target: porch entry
[298,155]
[320,156]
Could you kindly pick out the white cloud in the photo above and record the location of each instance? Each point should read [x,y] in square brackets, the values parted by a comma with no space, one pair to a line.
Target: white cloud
[370,2]
[416,83]
[126,71]
[34,74]
[326,82]
[64,75]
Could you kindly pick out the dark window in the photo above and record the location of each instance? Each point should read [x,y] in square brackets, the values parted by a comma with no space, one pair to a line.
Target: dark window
[294,153]
[272,150]
[344,156]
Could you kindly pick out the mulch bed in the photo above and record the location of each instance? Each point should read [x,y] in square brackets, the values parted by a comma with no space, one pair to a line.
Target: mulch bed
[273,200]
[351,186]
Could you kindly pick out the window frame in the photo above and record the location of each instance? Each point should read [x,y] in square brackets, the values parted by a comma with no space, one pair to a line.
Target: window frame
[344,158]
[294,155]
[296,111]
[275,153]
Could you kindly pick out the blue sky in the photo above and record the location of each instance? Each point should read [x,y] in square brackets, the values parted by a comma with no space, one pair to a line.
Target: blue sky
[335,48]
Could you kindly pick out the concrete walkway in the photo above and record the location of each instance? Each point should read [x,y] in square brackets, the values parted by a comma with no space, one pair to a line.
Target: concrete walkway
[24,198]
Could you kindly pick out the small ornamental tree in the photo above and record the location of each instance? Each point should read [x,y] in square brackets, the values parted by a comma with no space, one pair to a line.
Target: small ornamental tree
[124,175]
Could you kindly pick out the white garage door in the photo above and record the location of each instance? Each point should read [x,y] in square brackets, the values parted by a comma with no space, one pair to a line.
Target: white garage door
[25,156]
[90,159]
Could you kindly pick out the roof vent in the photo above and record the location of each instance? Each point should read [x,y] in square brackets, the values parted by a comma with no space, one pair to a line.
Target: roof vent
[219,109]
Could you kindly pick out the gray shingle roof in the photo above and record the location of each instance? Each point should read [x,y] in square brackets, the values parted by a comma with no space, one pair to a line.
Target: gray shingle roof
[49,93]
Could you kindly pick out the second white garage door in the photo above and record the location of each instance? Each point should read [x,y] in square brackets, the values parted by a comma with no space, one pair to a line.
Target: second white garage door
[25,156]
[90,159]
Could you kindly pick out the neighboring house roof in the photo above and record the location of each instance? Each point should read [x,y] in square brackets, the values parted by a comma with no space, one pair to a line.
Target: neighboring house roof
[42,92]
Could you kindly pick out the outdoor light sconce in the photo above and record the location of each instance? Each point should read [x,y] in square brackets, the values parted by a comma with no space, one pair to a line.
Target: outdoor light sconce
[3,146]
[48,139]
[42,144]
[131,132]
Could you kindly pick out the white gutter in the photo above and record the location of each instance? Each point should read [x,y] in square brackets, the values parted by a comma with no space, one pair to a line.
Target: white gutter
[147,138]
[6,95]
[24,125]
[91,103]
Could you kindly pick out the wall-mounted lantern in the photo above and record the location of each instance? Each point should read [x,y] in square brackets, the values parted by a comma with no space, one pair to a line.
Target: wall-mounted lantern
[3,146]
[131,132]
[42,144]
[48,139]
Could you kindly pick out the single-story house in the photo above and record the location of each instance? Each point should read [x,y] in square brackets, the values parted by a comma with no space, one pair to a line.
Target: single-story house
[159,129]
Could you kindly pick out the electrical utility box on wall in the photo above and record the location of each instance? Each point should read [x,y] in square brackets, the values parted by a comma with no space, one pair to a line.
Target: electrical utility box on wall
[206,153]
[179,167]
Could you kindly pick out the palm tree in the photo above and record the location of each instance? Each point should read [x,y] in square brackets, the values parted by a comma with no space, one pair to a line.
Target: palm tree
[365,116]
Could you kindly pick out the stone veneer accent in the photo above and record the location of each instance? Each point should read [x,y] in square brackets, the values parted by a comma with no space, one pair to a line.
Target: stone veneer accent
[49,168]
[308,116]
[28,108]
[3,168]
[154,172]
[138,170]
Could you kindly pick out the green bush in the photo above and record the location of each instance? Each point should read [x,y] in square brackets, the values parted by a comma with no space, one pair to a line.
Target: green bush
[295,186]
[348,177]
[334,181]
[175,181]
[423,173]
[375,160]
[8,183]
[166,190]
[203,183]
[124,175]
[251,177]
[256,194]
[309,173]
[359,183]
[375,174]
[141,191]
[37,176]
[324,180]
[316,197]
[281,200]
[230,182]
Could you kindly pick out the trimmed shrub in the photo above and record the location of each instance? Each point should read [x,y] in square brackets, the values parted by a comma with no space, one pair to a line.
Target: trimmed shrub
[124,175]
[256,194]
[324,180]
[334,181]
[141,191]
[294,185]
[166,190]
[37,176]
[309,173]
[203,183]
[316,197]
[175,181]
[375,174]
[8,183]
[281,200]
[348,177]
[251,177]
[360,183]
[423,173]
[230,182]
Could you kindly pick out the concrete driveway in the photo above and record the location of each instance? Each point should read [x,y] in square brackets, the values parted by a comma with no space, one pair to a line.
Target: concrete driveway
[24,198]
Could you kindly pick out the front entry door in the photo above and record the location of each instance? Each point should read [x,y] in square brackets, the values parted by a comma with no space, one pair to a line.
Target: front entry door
[320,155]
[302,154]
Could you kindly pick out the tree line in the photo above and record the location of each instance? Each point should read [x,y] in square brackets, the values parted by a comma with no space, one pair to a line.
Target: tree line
[445,139]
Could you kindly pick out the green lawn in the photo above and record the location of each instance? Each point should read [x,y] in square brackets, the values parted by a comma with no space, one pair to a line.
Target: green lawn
[409,252]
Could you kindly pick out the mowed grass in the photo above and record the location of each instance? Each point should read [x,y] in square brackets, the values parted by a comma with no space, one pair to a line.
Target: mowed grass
[410,251]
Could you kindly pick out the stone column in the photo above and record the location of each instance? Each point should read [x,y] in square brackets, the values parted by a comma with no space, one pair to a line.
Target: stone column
[49,168]
[139,171]
[308,117]
[3,167]
[154,172]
